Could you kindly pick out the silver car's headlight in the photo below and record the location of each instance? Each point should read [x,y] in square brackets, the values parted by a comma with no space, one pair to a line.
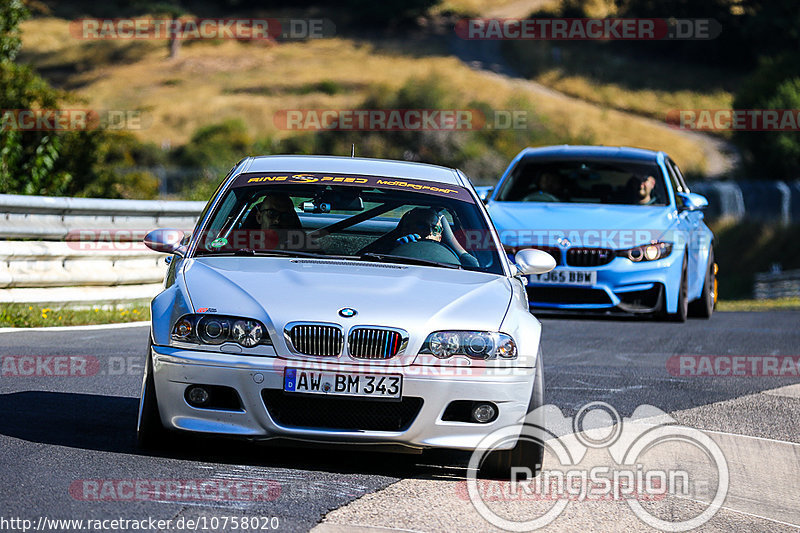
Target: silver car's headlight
[474,344]
[647,252]
[217,329]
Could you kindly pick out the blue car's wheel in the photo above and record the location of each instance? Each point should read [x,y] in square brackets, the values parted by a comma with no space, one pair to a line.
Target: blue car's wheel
[703,307]
[683,297]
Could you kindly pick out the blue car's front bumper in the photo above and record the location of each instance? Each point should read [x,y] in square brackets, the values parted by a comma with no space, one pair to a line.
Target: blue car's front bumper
[620,285]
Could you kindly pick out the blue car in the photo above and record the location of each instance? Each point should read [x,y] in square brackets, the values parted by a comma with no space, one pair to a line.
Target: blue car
[626,233]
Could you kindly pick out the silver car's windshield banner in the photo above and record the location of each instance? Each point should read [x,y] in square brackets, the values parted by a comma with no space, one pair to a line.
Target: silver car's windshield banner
[398,184]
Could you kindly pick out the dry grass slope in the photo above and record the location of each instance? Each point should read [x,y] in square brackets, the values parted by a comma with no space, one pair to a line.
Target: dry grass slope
[213,81]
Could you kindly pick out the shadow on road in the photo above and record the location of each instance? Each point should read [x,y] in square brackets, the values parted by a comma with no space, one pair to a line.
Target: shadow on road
[108,424]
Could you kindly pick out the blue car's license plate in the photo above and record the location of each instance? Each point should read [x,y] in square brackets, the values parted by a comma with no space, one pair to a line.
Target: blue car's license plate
[343,383]
[565,277]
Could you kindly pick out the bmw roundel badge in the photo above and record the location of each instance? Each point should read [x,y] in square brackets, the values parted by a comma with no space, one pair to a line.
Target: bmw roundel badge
[347,312]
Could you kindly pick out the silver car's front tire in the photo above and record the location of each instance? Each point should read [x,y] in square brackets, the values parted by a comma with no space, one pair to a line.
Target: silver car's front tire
[150,432]
[528,452]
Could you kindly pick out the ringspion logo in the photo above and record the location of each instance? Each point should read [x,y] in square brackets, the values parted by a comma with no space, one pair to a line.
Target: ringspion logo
[597,455]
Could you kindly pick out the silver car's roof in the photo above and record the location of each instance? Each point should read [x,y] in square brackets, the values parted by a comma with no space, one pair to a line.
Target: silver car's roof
[351,165]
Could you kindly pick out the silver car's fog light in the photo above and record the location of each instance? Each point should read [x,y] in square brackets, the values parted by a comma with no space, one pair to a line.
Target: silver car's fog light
[248,333]
[197,396]
[484,412]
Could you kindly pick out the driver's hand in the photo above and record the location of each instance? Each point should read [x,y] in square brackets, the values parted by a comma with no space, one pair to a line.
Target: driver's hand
[411,237]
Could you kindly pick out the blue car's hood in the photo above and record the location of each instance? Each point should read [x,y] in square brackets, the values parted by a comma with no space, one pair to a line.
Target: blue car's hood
[609,226]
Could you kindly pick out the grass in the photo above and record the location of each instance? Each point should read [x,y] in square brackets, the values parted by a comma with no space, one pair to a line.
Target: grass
[611,78]
[746,248]
[777,304]
[30,316]
[494,8]
[210,82]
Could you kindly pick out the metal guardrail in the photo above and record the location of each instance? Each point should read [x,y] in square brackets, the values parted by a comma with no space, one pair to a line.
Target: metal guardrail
[60,218]
[783,284]
[58,249]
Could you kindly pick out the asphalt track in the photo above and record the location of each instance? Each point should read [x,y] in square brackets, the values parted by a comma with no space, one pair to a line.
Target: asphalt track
[58,434]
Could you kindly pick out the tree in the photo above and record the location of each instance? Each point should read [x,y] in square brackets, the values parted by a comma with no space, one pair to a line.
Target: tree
[775,85]
[27,158]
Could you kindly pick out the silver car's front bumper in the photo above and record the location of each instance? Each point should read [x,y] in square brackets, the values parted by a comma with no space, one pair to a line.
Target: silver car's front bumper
[176,369]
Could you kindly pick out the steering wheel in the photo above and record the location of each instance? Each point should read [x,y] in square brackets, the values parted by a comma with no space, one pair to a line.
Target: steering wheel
[427,249]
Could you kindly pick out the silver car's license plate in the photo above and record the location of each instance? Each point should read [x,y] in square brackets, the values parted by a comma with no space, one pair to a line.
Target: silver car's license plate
[343,383]
[566,277]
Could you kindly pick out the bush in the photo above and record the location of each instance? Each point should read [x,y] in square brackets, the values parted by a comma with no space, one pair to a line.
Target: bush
[775,85]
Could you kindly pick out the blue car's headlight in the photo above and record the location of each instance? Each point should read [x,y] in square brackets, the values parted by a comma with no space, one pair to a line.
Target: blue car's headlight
[474,344]
[217,329]
[647,252]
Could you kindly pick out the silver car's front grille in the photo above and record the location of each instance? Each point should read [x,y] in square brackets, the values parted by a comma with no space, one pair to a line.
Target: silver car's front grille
[317,339]
[375,343]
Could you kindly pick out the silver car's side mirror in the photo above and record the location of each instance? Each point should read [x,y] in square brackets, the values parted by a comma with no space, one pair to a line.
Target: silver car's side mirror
[693,201]
[166,240]
[531,261]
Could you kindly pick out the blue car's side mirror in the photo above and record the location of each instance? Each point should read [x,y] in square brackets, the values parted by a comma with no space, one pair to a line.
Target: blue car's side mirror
[484,193]
[692,201]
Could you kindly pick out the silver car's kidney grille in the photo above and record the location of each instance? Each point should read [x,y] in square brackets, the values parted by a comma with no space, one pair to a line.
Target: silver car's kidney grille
[321,340]
[374,343]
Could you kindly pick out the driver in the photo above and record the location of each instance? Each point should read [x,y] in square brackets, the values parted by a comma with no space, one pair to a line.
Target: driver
[276,212]
[278,222]
[425,223]
[640,189]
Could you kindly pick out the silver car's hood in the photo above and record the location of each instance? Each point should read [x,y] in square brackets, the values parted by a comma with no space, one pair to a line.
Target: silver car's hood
[417,299]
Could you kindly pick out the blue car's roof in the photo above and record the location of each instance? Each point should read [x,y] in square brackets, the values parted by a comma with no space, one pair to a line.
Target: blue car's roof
[352,165]
[601,152]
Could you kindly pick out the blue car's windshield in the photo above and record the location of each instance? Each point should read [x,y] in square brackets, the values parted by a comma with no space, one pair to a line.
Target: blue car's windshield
[364,217]
[585,181]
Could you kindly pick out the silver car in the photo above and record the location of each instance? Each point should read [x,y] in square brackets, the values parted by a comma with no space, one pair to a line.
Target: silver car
[331,300]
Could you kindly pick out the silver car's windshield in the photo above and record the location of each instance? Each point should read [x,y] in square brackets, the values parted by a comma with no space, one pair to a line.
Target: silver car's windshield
[359,217]
[599,181]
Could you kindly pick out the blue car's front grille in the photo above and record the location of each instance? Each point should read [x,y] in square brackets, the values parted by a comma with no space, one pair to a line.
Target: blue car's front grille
[589,257]
[567,295]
